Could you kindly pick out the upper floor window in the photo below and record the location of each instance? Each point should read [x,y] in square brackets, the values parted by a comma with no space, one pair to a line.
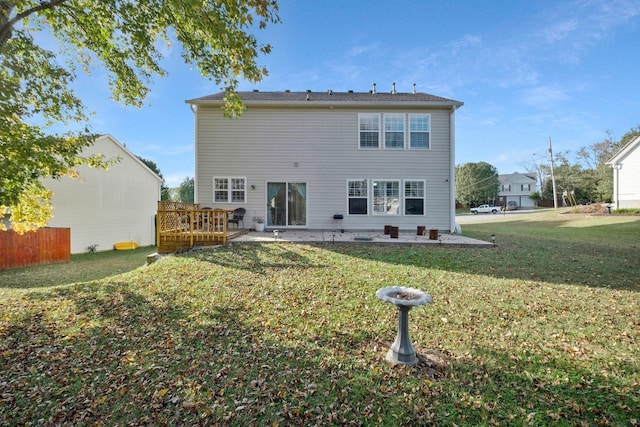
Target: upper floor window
[229,190]
[386,197]
[414,197]
[358,199]
[369,130]
[394,130]
[506,187]
[525,187]
[419,130]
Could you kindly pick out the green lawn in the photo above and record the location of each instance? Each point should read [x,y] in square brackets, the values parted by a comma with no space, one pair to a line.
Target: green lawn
[542,329]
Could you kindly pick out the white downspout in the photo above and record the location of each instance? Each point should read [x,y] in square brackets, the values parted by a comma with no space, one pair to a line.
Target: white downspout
[616,183]
[194,110]
[452,170]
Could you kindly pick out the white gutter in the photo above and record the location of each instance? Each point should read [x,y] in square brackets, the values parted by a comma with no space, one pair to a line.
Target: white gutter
[194,110]
[452,168]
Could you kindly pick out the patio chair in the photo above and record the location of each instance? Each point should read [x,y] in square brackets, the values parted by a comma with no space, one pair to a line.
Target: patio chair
[238,217]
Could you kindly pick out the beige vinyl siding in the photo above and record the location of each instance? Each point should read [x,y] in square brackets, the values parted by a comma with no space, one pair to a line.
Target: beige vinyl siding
[104,207]
[266,144]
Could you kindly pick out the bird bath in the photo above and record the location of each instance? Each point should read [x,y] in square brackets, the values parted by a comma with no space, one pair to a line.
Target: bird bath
[401,351]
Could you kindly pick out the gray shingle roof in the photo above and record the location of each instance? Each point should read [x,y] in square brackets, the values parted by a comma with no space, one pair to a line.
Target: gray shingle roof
[285,97]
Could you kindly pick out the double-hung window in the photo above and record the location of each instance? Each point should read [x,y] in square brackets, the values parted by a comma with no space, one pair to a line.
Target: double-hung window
[386,197]
[229,190]
[414,197]
[506,187]
[525,187]
[369,130]
[394,130]
[358,192]
[419,130]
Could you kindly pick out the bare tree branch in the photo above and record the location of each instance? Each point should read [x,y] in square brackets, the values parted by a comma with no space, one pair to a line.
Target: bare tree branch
[6,24]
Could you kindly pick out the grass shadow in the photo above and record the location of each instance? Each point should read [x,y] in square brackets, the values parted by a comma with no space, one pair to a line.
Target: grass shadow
[81,268]
[252,257]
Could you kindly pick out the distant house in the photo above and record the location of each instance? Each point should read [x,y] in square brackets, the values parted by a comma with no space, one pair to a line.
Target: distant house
[517,187]
[626,175]
[104,207]
[327,160]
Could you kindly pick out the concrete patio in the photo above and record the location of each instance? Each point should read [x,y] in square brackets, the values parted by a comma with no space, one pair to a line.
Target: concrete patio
[377,237]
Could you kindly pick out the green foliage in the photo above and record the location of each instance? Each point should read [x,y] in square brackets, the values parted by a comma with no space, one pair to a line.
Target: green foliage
[588,176]
[626,211]
[186,190]
[476,182]
[164,190]
[126,39]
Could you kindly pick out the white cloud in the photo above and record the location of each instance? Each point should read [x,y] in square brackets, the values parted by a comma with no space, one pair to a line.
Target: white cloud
[560,30]
[544,96]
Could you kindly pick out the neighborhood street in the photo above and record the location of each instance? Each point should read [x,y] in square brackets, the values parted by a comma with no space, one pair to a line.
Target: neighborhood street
[487,217]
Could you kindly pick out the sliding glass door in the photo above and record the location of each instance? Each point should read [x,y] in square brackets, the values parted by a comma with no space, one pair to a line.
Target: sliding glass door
[286,204]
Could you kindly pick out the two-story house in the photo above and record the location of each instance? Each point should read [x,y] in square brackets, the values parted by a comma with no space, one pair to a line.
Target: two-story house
[517,187]
[326,160]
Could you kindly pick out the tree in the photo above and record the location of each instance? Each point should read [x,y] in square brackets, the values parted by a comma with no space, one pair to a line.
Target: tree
[164,190]
[124,37]
[596,174]
[476,182]
[185,190]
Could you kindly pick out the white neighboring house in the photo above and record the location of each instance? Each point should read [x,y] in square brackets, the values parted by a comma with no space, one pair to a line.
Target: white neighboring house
[105,207]
[517,187]
[626,175]
[330,160]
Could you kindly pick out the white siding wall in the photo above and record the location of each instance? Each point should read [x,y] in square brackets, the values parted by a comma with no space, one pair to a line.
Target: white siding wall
[105,207]
[265,144]
[629,180]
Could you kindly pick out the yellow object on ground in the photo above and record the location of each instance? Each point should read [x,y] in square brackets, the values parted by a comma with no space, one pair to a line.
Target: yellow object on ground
[125,246]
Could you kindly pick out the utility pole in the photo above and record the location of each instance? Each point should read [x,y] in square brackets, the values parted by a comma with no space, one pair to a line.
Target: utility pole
[553,178]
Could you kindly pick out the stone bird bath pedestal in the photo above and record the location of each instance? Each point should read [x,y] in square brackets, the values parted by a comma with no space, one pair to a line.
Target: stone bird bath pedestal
[401,351]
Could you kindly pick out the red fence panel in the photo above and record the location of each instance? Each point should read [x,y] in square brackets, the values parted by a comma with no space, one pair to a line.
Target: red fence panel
[37,247]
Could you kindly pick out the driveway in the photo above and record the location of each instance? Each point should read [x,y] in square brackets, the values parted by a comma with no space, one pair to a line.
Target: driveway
[488,217]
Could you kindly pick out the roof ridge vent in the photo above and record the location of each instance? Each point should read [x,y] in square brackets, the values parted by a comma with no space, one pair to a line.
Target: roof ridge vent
[330,92]
[256,90]
[287,91]
[350,90]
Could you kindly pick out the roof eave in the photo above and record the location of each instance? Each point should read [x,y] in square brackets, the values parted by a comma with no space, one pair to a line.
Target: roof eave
[624,151]
[311,103]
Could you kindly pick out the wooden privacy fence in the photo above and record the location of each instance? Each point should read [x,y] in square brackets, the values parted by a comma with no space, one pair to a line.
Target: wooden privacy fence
[37,247]
[185,225]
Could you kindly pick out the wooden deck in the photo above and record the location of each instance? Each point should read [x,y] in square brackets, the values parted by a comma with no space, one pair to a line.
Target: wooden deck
[185,225]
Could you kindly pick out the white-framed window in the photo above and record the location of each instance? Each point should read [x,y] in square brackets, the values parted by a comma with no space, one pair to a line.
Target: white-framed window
[358,196]
[229,189]
[369,130]
[394,130]
[525,187]
[386,197]
[506,187]
[414,197]
[419,130]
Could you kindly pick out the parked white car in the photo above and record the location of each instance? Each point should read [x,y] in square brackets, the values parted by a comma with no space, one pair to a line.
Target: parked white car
[486,209]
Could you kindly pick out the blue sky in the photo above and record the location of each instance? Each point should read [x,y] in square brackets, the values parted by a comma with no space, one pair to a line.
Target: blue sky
[525,70]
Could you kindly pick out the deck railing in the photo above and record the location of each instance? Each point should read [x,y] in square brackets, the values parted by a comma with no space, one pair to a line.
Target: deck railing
[184,225]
